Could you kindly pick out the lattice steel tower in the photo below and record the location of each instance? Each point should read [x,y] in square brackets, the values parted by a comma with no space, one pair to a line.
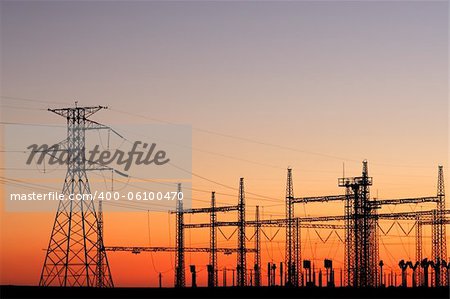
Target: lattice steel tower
[439,244]
[258,249]
[241,256]
[76,247]
[180,280]
[361,233]
[213,242]
[289,262]
[419,257]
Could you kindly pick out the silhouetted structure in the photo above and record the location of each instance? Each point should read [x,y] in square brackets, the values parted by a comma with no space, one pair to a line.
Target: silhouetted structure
[439,244]
[75,255]
[241,256]
[180,280]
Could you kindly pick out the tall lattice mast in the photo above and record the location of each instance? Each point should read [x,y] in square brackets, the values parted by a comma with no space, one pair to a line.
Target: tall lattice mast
[258,249]
[439,244]
[213,241]
[419,257]
[241,256]
[104,277]
[361,235]
[180,280]
[289,229]
[75,247]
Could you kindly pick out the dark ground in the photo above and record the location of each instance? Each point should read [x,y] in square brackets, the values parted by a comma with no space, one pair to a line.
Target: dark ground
[249,292]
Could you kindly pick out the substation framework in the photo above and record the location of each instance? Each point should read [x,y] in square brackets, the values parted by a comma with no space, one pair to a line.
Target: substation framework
[357,256]
[361,227]
[241,249]
[76,254]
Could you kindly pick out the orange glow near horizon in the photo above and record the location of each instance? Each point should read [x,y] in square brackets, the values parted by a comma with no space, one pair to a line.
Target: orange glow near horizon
[25,245]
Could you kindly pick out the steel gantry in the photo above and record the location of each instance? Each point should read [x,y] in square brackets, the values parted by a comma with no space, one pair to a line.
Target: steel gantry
[139,249]
[213,210]
[361,223]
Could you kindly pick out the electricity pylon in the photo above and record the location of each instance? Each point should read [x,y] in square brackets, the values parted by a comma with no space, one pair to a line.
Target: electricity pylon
[76,246]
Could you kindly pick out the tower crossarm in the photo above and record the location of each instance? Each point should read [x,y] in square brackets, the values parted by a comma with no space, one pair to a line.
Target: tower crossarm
[139,249]
[382,202]
[268,223]
[408,215]
[318,198]
[64,112]
[398,216]
[430,222]
[209,210]
[93,125]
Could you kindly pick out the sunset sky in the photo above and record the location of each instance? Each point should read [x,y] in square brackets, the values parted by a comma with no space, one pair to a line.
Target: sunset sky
[264,85]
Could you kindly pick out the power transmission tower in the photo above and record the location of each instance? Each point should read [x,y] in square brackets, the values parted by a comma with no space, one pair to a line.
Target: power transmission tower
[289,229]
[241,257]
[75,255]
[439,244]
[180,281]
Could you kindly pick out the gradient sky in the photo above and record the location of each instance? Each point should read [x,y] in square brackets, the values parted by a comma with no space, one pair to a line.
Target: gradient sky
[319,84]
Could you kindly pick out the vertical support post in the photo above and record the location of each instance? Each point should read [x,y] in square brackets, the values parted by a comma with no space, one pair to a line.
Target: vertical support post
[289,229]
[258,249]
[232,271]
[213,241]
[242,268]
[320,277]
[210,276]
[281,274]
[274,274]
[425,264]
[439,242]
[180,281]
[419,272]
[328,264]
[297,253]
[224,277]
[381,264]
[332,278]
[194,276]
[403,266]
